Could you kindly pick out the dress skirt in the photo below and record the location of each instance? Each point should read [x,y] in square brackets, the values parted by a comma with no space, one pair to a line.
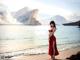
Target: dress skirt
[52,46]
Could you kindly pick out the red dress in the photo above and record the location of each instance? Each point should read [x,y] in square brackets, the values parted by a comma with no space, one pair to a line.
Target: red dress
[52,45]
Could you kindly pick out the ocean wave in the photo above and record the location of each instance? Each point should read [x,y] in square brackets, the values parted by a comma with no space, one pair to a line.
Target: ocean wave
[35,51]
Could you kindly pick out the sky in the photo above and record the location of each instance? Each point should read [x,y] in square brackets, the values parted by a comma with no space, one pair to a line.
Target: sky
[46,7]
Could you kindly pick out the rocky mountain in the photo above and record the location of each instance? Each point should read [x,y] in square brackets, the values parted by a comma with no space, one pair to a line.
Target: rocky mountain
[74,20]
[26,16]
[59,19]
[77,23]
[22,15]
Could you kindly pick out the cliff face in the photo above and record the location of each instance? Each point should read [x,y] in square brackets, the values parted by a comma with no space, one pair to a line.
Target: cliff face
[32,19]
[33,22]
[27,17]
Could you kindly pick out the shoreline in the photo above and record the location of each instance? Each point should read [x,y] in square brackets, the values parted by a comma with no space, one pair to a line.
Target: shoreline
[31,51]
[62,55]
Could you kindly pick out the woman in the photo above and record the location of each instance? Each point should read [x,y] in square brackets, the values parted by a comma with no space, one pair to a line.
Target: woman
[52,41]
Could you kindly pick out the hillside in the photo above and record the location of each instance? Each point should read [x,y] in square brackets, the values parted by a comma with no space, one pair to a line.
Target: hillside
[59,20]
[72,24]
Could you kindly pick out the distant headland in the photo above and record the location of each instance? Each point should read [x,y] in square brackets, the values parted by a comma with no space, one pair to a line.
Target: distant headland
[77,23]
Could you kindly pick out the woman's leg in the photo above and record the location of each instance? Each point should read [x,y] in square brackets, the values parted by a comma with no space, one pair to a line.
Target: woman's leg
[53,57]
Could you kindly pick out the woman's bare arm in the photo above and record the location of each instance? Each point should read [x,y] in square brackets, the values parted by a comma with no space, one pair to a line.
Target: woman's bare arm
[51,33]
[54,30]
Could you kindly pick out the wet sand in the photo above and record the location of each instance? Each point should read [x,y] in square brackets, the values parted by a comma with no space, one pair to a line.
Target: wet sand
[62,56]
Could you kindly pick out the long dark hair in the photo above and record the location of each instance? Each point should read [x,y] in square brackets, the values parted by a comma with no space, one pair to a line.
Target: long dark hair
[52,22]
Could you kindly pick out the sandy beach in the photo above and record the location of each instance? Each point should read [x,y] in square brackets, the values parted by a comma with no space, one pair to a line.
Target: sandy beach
[62,55]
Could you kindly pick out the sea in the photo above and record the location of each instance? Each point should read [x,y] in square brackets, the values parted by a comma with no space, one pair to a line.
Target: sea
[31,40]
